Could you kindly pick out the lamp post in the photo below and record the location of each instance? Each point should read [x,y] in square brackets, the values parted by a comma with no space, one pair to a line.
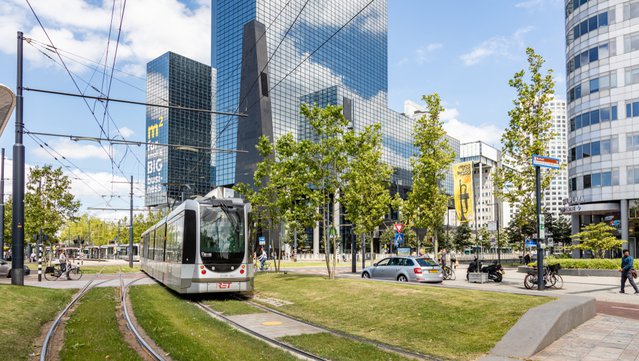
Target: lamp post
[17,254]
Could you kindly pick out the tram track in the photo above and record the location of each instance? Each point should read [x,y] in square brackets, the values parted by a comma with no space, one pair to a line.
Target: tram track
[380,345]
[153,351]
[295,351]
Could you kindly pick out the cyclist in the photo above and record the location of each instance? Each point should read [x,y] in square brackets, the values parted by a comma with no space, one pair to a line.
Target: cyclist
[262,258]
[63,261]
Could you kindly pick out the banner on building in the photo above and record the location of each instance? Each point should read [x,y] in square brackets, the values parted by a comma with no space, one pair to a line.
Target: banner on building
[463,194]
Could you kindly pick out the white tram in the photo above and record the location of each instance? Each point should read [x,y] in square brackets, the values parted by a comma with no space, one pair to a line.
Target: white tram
[202,246]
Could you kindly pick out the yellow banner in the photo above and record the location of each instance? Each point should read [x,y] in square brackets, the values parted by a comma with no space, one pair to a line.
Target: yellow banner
[463,178]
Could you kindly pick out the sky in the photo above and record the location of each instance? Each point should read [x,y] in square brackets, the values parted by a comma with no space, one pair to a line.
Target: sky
[464,50]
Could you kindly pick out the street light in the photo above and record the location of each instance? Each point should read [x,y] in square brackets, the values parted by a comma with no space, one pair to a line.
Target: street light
[7,104]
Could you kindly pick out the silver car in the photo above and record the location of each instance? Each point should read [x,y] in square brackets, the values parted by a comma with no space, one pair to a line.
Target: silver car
[405,269]
[5,268]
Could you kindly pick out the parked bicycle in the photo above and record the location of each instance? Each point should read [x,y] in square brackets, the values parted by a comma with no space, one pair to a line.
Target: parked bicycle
[552,278]
[72,272]
[449,273]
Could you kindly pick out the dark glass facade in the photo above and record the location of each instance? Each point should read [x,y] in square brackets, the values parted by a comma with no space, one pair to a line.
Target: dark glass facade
[174,172]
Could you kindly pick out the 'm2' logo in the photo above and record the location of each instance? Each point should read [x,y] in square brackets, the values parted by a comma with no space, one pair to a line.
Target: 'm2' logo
[153,131]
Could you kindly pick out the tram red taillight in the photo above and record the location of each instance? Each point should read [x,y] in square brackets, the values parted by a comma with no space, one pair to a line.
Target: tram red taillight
[241,271]
[203,271]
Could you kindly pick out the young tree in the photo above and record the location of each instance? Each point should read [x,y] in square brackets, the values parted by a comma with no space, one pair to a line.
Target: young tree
[427,202]
[528,133]
[597,238]
[365,195]
[462,237]
[50,205]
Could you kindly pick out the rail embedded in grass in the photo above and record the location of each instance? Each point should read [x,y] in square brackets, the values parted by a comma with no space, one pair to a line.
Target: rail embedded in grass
[92,332]
[180,328]
[228,305]
[23,311]
[449,323]
[337,348]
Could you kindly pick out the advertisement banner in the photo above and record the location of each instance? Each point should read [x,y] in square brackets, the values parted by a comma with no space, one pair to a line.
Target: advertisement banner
[463,178]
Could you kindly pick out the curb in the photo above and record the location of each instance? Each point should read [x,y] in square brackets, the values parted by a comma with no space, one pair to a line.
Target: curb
[579,272]
[541,326]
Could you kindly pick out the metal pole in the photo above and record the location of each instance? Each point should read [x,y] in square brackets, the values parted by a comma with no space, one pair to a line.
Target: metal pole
[498,244]
[2,206]
[363,251]
[295,243]
[131,228]
[353,251]
[540,254]
[17,225]
[40,236]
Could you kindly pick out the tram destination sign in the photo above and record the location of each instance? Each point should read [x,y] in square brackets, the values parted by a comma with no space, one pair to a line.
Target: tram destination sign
[546,162]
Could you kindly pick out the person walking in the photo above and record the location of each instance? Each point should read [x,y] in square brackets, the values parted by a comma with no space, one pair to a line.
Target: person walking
[627,266]
[453,259]
[262,258]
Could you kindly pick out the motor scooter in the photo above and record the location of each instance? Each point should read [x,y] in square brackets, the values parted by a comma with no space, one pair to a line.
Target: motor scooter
[495,270]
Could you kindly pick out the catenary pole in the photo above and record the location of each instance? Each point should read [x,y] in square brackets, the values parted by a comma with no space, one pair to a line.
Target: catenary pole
[540,253]
[2,206]
[17,224]
[131,228]
[40,236]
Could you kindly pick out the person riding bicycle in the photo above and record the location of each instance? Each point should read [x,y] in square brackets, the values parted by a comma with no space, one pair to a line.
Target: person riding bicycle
[62,257]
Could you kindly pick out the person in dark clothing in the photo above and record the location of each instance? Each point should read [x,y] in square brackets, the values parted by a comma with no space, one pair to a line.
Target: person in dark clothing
[627,264]
[527,258]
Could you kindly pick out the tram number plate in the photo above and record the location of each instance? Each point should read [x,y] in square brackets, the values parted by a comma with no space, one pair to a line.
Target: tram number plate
[224,285]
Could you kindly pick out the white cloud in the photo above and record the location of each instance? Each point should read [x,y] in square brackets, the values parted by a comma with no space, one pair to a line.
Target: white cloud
[423,52]
[501,46]
[150,28]
[126,132]
[487,133]
[536,4]
[75,150]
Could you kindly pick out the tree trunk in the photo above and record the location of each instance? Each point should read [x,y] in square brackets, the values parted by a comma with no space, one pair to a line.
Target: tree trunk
[435,242]
[326,246]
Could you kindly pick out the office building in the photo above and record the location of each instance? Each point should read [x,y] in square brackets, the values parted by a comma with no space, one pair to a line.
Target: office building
[557,192]
[602,77]
[174,173]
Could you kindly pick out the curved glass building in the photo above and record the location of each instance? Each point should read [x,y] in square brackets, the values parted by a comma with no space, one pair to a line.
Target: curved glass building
[602,73]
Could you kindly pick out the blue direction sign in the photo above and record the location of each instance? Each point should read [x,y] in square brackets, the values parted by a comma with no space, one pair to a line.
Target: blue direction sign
[546,162]
[530,243]
[399,238]
[262,240]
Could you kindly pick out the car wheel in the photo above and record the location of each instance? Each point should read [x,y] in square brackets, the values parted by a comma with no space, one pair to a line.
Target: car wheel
[402,278]
[366,275]
[9,274]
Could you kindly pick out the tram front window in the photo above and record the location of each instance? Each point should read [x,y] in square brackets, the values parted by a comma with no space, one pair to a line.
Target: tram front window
[221,238]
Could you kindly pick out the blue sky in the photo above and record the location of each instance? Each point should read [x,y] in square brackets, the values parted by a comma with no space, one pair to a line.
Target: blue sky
[464,50]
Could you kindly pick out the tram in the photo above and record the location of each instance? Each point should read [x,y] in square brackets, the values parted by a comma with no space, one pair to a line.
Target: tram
[202,246]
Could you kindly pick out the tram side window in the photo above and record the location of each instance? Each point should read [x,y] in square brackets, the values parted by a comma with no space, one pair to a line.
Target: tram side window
[170,241]
[179,239]
[159,243]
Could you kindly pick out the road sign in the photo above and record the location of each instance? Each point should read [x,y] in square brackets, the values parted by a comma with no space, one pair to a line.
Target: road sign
[492,226]
[333,232]
[262,240]
[551,242]
[530,243]
[546,162]
[399,227]
[542,226]
[399,238]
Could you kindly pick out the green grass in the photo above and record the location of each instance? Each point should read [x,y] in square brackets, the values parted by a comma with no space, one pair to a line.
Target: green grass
[23,311]
[109,269]
[299,264]
[92,331]
[340,349]
[606,264]
[182,329]
[229,306]
[449,323]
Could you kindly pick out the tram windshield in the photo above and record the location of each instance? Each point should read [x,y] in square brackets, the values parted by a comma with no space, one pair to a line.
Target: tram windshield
[221,236]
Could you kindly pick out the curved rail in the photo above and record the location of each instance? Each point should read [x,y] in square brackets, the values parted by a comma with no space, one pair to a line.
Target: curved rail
[383,346]
[125,312]
[287,347]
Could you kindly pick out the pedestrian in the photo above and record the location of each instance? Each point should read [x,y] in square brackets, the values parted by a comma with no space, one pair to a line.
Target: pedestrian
[627,268]
[33,257]
[262,258]
[443,257]
[527,258]
[63,261]
[453,259]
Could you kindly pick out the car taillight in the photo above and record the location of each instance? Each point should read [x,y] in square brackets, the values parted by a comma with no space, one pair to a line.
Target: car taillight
[417,270]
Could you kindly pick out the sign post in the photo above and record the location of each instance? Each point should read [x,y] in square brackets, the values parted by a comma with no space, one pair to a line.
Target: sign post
[539,161]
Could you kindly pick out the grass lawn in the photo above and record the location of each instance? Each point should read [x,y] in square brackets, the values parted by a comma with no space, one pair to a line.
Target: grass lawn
[340,349]
[23,311]
[92,331]
[299,264]
[187,333]
[110,269]
[449,323]
[228,305]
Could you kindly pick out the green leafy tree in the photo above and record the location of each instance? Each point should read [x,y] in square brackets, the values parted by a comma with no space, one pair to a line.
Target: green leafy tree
[597,238]
[366,196]
[528,133]
[427,202]
[483,238]
[50,205]
[462,237]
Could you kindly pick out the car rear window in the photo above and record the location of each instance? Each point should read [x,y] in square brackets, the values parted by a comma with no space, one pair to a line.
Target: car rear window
[426,262]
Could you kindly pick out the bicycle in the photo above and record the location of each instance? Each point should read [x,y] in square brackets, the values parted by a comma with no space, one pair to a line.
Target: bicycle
[551,277]
[257,265]
[52,273]
[449,273]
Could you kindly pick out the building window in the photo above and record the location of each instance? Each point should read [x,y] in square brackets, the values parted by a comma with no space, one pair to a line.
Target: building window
[632,142]
[587,181]
[632,175]
[632,75]
[593,117]
[631,10]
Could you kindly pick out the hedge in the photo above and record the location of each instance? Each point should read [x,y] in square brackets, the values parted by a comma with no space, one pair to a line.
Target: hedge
[611,264]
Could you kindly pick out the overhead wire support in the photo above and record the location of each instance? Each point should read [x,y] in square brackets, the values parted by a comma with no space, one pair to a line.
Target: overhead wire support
[101,98]
[134,142]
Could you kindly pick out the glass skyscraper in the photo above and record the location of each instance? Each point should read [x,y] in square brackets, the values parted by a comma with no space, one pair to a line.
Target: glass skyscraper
[350,67]
[173,172]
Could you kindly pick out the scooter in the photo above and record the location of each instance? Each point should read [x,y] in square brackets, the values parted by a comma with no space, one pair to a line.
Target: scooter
[494,270]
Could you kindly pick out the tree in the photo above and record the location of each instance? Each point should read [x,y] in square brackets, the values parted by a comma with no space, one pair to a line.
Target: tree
[462,237]
[597,238]
[427,202]
[528,133]
[365,195]
[49,206]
